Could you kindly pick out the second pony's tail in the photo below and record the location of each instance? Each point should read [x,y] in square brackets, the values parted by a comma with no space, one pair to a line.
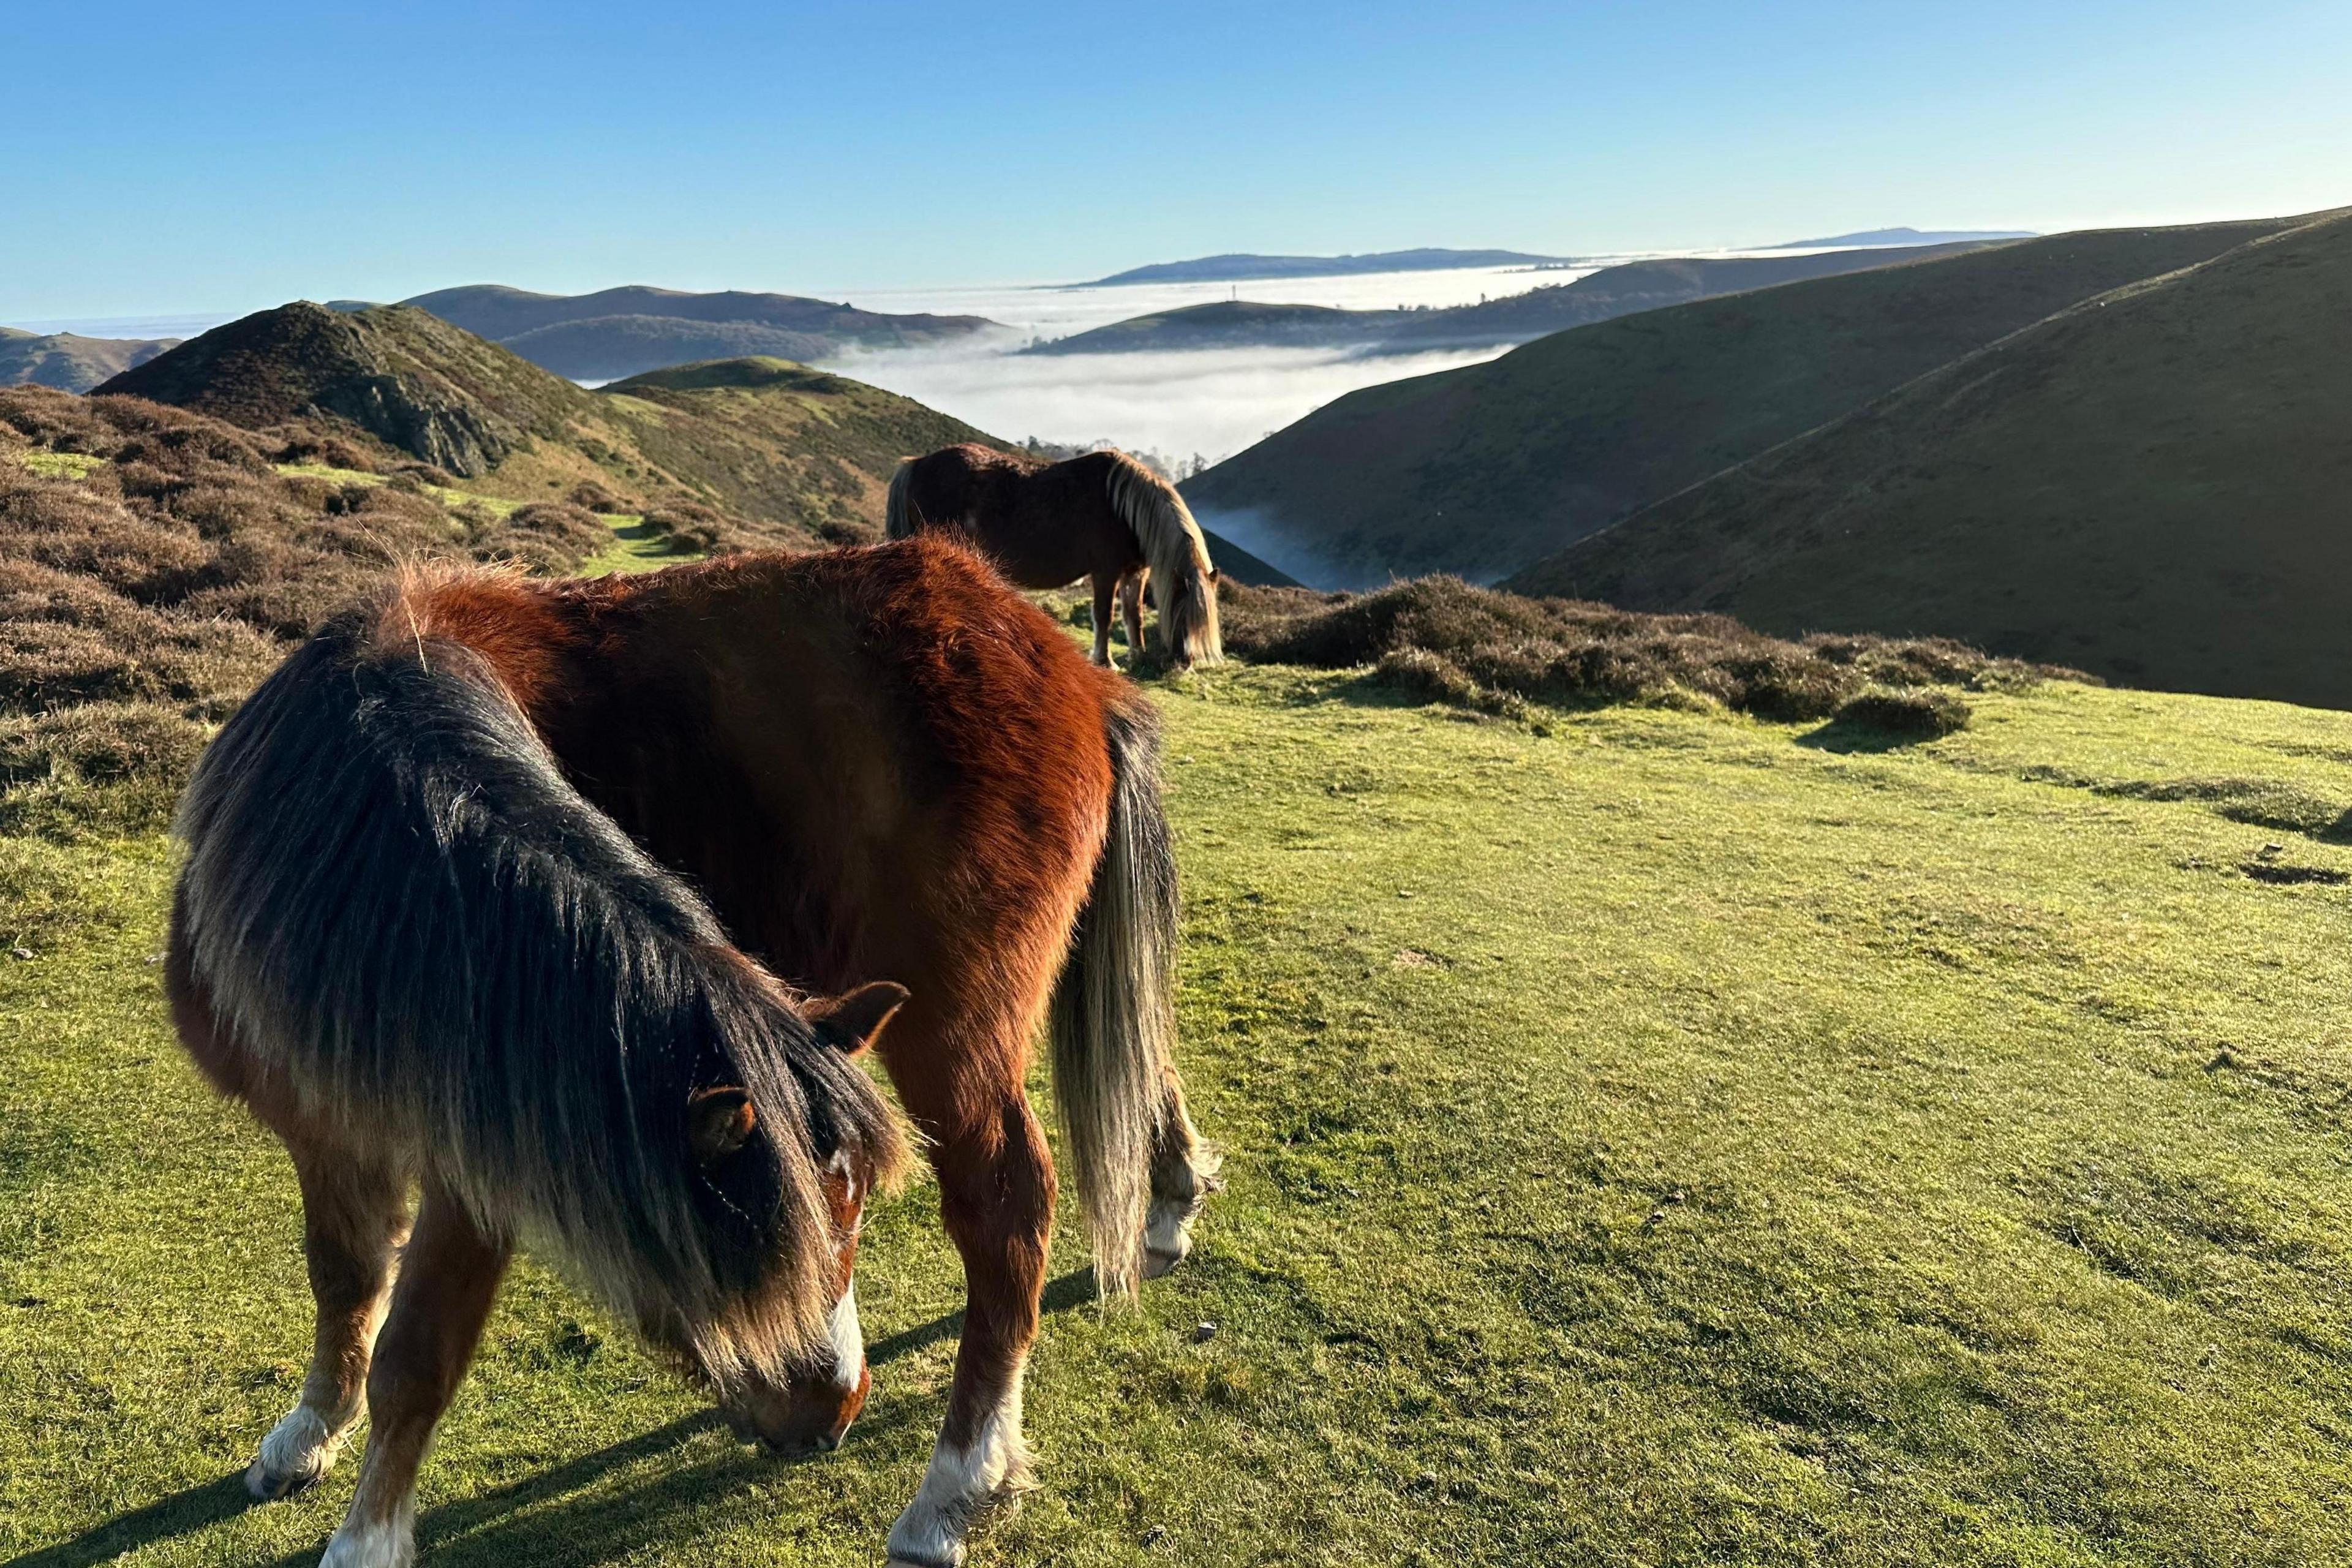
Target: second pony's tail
[898,519]
[1114,1015]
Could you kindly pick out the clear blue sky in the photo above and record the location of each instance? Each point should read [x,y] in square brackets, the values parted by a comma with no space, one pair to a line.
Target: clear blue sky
[223,157]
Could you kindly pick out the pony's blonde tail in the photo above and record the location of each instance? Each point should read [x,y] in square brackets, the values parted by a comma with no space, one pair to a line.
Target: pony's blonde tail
[898,520]
[1114,1013]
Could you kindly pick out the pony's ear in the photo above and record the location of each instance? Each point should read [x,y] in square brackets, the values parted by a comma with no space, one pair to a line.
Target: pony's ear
[718,1122]
[1215,576]
[853,1018]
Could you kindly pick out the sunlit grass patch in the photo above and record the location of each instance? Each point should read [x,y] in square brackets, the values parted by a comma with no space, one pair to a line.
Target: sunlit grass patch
[1662,1142]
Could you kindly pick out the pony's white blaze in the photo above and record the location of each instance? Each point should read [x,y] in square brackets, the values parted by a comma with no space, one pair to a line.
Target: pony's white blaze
[959,1485]
[848,1341]
[375,1543]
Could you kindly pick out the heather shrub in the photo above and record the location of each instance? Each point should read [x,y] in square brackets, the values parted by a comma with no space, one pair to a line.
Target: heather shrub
[550,537]
[1476,647]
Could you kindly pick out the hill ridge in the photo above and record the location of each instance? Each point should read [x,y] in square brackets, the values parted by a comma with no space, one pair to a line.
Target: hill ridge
[1483,469]
[2120,484]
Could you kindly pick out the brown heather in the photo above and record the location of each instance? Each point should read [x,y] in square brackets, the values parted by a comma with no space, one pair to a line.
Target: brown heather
[155,565]
[1443,640]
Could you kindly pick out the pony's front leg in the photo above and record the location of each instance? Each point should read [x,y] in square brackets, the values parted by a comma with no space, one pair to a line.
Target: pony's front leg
[448,1278]
[996,1196]
[354,1213]
[1130,609]
[1105,589]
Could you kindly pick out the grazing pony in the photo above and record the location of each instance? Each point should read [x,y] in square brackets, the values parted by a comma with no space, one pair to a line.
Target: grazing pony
[570,903]
[1104,516]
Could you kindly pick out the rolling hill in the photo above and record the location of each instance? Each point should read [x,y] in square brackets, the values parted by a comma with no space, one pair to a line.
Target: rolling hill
[1905,236]
[766,439]
[2151,486]
[68,361]
[1240,267]
[1513,319]
[619,332]
[1483,469]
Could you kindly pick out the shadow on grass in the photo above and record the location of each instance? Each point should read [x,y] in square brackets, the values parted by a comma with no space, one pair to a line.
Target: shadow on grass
[1847,738]
[506,1526]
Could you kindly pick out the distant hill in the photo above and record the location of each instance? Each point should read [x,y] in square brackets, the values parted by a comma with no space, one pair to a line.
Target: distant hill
[1243,268]
[1513,319]
[1907,237]
[1223,324]
[1483,469]
[619,332]
[68,362]
[769,440]
[2151,486]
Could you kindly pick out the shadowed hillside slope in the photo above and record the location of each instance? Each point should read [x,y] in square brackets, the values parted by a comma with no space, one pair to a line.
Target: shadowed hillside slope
[623,331]
[1483,469]
[2153,486]
[771,441]
[70,361]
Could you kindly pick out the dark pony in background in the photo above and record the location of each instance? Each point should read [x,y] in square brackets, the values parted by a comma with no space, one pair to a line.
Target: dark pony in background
[570,903]
[1104,516]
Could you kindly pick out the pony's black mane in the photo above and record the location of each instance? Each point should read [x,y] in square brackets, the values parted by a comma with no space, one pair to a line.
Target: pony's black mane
[407,911]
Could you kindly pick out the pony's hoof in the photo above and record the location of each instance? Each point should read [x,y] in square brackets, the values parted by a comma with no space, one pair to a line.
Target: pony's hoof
[294,1458]
[263,1485]
[1168,1238]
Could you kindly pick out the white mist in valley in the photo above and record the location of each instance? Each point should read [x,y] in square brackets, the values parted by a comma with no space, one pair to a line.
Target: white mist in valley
[1206,403]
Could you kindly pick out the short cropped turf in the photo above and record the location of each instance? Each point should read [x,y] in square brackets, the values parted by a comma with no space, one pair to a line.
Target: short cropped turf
[1672,1139]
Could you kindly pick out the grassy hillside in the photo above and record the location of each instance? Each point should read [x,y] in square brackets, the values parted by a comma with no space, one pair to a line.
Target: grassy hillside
[791,453]
[2152,486]
[1513,319]
[68,362]
[1483,469]
[622,331]
[1221,325]
[1677,1140]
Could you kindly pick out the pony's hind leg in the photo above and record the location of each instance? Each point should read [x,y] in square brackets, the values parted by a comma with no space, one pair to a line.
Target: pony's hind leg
[1104,588]
[1130,609]
[355,1217]
[996,1199]
[447,1280]
[1183,1174]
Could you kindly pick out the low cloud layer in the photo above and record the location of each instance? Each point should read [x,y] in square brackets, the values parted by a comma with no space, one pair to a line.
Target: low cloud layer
[1211,403]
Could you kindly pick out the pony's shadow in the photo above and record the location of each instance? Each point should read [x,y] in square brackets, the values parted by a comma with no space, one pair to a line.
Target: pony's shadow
[511,1524]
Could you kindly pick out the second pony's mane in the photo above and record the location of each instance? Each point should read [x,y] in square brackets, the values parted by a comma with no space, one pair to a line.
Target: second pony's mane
[1181,583]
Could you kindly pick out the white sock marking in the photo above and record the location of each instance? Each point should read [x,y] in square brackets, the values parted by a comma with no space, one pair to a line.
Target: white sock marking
[959,1483]
[374,1543]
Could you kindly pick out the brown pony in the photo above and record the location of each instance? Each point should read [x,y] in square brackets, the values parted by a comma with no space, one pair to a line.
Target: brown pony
[571,903]
[1104,516]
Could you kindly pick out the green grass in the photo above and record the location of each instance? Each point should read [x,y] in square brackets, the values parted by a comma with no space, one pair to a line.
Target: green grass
[60,465]
[634,547]
[1675,1140]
